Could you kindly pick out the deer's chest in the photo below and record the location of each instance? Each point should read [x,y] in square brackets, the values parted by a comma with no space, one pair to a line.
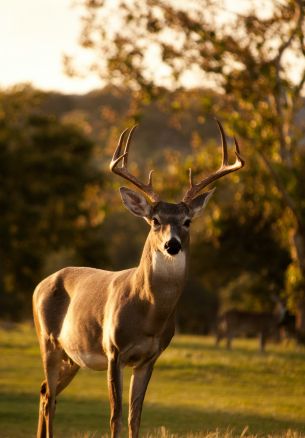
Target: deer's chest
[130,337]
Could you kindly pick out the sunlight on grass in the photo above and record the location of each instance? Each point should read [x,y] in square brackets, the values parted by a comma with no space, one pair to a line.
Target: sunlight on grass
[163,433]
[197,390]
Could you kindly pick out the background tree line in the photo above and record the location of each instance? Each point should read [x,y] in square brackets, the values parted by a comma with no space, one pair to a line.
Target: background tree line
[251,243]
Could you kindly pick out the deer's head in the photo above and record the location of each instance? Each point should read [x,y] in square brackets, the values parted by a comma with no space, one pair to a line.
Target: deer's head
[170,223]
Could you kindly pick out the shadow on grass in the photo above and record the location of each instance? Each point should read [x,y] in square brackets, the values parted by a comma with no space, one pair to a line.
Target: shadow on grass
[18,416]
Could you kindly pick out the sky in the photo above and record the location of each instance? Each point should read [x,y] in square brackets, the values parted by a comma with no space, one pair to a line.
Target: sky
[34,36]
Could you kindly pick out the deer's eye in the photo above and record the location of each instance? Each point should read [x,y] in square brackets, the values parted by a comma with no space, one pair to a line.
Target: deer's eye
[187,223]
[156,222]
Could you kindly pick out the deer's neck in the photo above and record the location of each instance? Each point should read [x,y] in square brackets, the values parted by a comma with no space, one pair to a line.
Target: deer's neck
[162,277]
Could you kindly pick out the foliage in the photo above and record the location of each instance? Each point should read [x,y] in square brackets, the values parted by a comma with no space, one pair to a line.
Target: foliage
[46,172]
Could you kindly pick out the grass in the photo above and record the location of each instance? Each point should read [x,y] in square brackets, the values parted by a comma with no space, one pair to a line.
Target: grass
[197,390]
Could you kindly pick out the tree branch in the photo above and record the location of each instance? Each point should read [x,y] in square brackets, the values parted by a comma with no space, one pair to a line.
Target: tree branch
[289,202]
[294,31]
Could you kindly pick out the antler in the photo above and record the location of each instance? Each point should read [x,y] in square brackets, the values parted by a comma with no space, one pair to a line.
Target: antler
[123,171]
[223,170]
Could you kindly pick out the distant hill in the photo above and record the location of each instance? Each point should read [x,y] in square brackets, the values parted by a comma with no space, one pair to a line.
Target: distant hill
[162,125]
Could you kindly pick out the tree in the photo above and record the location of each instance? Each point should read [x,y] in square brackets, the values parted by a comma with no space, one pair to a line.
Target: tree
[257,62]
[46,173]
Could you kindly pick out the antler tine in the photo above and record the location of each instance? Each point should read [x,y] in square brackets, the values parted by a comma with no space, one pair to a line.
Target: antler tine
[237,152]
[150,178]
[125,158]
[224,169]
[117,157]
[124,172]
[190,177]
[224,144]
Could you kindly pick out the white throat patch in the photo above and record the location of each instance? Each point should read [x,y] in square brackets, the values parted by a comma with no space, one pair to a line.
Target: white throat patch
[168,266]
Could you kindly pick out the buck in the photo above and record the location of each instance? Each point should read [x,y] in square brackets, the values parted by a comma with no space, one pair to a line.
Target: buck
[264,324]
[105,320]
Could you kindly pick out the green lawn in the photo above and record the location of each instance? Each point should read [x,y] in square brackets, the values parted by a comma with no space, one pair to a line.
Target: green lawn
[195,387]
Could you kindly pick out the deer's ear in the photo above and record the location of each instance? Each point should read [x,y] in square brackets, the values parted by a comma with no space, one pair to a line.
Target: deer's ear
[135,202]
[197,204]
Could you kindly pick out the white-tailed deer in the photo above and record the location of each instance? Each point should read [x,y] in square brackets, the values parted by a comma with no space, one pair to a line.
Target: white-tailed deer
[234,323]
[105,320]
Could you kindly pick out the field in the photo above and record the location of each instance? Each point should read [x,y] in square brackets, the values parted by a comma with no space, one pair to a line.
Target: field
[196,388]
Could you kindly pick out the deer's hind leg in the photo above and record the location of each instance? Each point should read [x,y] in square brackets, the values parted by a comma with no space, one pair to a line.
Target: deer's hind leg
[218,338]
[229,341]
[67,372]
[59,371]
[41,430]
[52,356]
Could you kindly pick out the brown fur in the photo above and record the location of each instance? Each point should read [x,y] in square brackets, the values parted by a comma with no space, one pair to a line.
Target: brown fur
[110,319]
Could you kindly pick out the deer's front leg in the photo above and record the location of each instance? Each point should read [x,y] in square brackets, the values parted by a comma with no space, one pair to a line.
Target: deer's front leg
[138,385]
[115,393]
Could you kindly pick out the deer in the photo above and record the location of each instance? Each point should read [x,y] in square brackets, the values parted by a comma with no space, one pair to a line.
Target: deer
[104,320]
[237,322]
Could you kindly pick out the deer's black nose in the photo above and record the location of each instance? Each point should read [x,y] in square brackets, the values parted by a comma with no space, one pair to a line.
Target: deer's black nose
[173,246]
